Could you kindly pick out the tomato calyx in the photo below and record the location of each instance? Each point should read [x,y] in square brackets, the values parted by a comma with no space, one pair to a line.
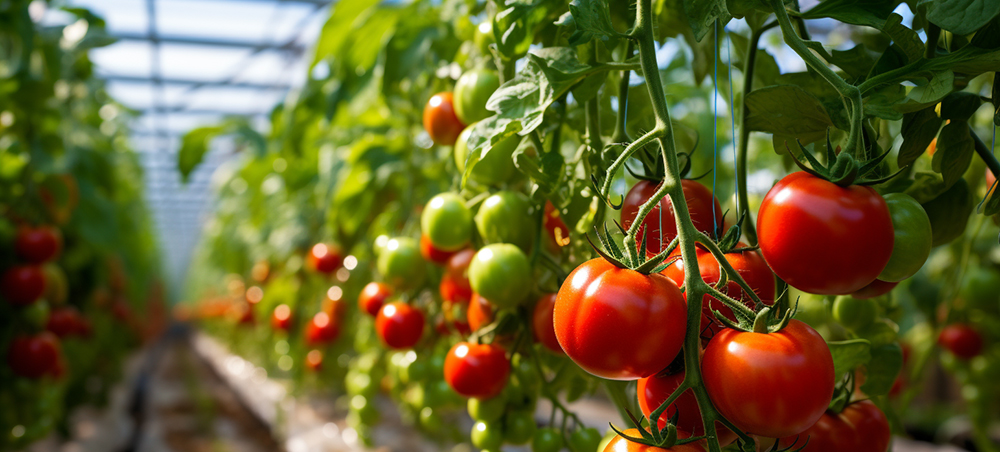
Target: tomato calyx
[842,394]
[618,257]
[664,438]
[843,169]
[766,321]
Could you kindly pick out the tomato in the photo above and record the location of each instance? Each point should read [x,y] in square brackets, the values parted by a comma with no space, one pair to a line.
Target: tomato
[440,120]
[65,321]
[541,323]
[476,370]
[480,312]
[547,439]
[655,390]
[22,284]
[877,288]
[912,241]
[401,263]
[555,226]
[772,385]
[432,253]
[622,444]
[501,273]
[645,314]
[399,325]
[454,292]
[447,222]
[854,314]
[748,264]
[457,269]
[519,426]
[814,310]
[34,356]
[37,245]
[961,340]
[706,213]
[322,329]
[498,165]
[487,436]
[861,427]
[325,258]
[504,218]
[980,288]
[314,360]
[56,284]
[472,91]
[372,297]
[281,318]
[487,410]
[823,238]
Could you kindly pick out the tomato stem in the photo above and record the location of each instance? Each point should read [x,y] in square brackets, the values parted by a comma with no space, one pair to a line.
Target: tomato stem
[741,157]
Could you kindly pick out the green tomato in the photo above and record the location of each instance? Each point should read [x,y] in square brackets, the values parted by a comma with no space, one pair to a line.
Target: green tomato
[488,410]
[501,274]
[584,440]
[854,314]
[880,332]
[547,439]
[812,309]
[487,435]
[981,288]
[519,427]
[438,393]
[37,313]
[401,264]
[484,37]
[472,91]
[447,222]
[912,241]
[498,165]
[505,218]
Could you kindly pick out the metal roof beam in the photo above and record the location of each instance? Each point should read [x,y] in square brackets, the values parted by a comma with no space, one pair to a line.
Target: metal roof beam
[204,83]
[211,42]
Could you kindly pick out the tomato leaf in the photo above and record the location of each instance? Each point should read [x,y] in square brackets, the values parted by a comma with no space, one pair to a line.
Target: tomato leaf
[949,213]
[194,146]
[872,13]
[787,110]
[514,28]
[593,21]
[339,26]
[954,152]
[919,128]
[856,61]
[702,15]
[849,354]
[881,371]
[961,17]
[545,170]
[960,105]
[907,39]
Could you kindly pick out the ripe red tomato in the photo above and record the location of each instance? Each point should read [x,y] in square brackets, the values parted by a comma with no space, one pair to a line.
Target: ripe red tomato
[322,329]
[453,292]
[22,284]
[480,312]
[325,258]
[706,213]
[644,314]
[441,121]
[34,356]
[961,340]
[542,323]
[65,321]
[37,245]
[432,254]
[476,370]
[399,325]
[622,444]
[861,427]
[822,238]
[281,319]
[556,227]
[788,375]
[373,296]
[655,390]
[748,264]
[314,360]
[876,289]
[458,269]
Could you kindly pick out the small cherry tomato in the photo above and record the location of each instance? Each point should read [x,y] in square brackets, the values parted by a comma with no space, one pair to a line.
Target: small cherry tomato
[22,284]
[472,91]
[322,329]
[541,323]
[399,325]
[493,220]
[64,321]
[480,312]
[961,340]
[325,258]
[314,360]
[447,222]
[37,245]
[861,427]
[432,253]
[440,120]
[476,370]
[401,264]
[498,165]
[454,292]
[34,356]
[876,289]
[372,297]
[501,273]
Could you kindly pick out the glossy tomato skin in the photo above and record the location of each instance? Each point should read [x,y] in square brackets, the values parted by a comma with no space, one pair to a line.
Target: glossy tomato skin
[772,385]
[22,284]
[399,325]
[447,222]
[480,312]
[621,444]
[655,390]
[861,427]
[961,340]
[36,245]
[495,220]
[322,329]
[541,323]
[877,288]
[645,314]
[822,238]
[440,120]
[432,253]
[34,356]
[476,370]
[912,240]
[706,213]
[749,264]
[373,296]
[401,263]
[472,91]
[501,273]
[495,168]
[325,258]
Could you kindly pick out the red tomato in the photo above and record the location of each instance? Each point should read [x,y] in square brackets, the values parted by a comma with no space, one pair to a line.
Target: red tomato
[476,370]
[433,254]
[961,340]
[619,324]
[399,325]
[325,258]
[861,427]
[65,321]
[542,326]
[314,360]
[655,390]
[748,264]
[453,292]
[34,356]
[22,284]
[622,444]
[440,120]
[823,238]
[555,226]
[772,385]
[876,289]
[281,319]
[373,296]
[457,272]
[322,329]
[706,213]
[480,312]
[37,245]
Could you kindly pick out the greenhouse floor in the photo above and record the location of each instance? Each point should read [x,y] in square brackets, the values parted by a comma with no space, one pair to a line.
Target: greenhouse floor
[188,394]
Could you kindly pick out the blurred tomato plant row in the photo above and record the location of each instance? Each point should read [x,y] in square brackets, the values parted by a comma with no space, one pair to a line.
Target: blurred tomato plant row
[474,205]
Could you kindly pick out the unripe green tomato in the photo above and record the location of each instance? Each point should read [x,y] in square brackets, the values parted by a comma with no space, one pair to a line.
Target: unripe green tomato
[519,426]
[447,222]
[547,439]
[504,218]
[501,274]
[488,410]
[498,165]
[854,314]
[430,419]
[484,36]
[413,371]
[401,264]
[584,440]
[520,397]
[812,309]
[880,332]
[472,91]
[912,240]
[438,393]
[37,313]
[487,435]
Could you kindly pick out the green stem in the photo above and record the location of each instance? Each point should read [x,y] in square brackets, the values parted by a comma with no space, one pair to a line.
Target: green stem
[621,135]
[933,34]
[741,157]
[889,77]
[984,153]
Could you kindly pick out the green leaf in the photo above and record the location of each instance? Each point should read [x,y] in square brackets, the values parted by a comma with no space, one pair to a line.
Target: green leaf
[954,152]
[194,146]
[907,40]
[483,136]
[992,205]
[593,21]
[787,110]
[872,13]
[881,371]
[338,28]
[960,105]
[856,62]
[514,28]
[935,90]
[961,17]
[545,170]
[926,186]
[847,355]
[919,128]
[949,213]
[702,15]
